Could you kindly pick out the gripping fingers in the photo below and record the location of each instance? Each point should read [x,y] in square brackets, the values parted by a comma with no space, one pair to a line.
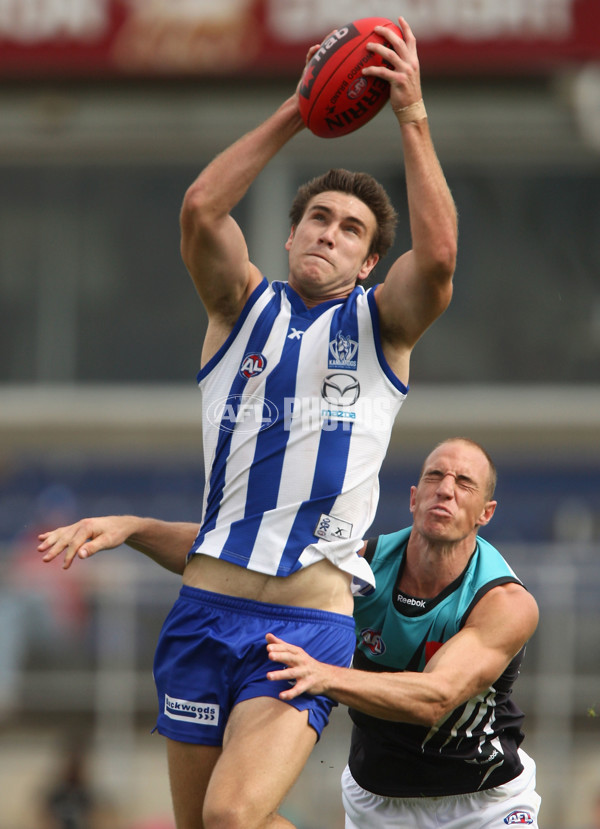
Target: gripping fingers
[309,55]
[407,32]
[401,67]
[395,53]
[312,52]
[282,675]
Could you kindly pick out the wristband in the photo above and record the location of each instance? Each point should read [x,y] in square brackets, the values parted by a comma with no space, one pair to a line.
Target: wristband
[412,112]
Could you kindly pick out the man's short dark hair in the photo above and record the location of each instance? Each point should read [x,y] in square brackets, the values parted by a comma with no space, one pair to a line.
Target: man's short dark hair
[365,188]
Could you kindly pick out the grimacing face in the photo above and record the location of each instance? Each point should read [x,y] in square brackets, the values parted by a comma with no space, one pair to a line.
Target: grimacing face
[328,249]
[450,501]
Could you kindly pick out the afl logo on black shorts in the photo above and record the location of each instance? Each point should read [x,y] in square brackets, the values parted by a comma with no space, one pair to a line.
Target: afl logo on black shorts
[253,364]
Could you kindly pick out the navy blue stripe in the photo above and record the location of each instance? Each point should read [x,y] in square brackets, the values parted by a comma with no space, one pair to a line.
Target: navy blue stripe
[344,329]
[253,298]
[328,481]
[334,444]
[265,473]
[300,309]
[377,339]
[256,341]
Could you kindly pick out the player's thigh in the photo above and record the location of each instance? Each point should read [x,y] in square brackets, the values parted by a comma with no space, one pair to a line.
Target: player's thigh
[190,770]
[267,743]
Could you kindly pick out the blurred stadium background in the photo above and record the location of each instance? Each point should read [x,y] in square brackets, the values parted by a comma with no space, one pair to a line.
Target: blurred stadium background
[108,110]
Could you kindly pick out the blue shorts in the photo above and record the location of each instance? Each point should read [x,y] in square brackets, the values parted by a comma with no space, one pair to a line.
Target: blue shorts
[212,654]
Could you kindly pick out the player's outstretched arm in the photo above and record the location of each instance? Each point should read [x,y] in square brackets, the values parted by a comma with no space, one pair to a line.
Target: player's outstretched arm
[165,542]
[212,244]
[468,664]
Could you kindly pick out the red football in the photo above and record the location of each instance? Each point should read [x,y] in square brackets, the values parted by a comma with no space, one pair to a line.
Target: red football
[335,97]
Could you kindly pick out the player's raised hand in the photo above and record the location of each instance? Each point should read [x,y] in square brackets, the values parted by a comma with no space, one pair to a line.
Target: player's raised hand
[401,68]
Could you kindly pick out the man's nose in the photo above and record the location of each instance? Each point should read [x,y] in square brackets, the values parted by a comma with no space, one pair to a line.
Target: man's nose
[446,484]
[327,235]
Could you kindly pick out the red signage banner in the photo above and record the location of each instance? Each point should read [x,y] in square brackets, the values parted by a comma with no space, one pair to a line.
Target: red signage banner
[162,38]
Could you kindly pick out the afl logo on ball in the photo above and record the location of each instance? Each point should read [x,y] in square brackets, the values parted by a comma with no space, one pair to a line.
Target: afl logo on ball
[358,88]
[253,364]
[340,389]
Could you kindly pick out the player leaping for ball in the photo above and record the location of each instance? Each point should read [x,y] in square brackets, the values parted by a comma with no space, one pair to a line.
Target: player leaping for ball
[288,496]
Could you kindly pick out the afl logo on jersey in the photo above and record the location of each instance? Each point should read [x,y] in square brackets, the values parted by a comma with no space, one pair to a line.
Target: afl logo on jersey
[373,641]
[242,414]
[253,364]
[518,818]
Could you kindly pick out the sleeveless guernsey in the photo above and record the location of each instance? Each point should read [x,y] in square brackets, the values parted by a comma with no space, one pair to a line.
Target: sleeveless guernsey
[472,748]
[297,410]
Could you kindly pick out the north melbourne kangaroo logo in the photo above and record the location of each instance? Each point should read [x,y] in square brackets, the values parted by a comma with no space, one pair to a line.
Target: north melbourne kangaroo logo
[342,351]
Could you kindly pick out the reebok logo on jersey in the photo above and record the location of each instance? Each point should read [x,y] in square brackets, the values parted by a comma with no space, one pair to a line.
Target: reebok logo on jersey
[410,601]
[200,713]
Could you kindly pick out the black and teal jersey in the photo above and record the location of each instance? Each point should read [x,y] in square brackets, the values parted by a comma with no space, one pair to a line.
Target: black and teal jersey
[472,748]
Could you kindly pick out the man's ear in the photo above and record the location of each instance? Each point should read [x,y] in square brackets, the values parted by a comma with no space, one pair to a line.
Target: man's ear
[367,266]
[487,514]
[413,493]
[290,238]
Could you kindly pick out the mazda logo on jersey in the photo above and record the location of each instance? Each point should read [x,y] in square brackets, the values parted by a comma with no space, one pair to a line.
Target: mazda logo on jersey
[340,389]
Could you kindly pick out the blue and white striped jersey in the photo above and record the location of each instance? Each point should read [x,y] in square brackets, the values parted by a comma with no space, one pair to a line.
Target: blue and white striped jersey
[297,406]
